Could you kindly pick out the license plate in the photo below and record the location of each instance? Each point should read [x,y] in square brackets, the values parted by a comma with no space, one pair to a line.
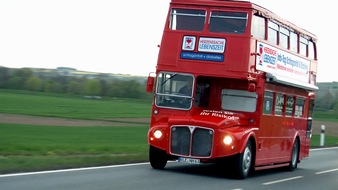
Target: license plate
[188,160]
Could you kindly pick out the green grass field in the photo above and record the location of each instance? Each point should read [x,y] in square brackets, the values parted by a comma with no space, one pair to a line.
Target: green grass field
[329,141]
[31,148]
[26,147]
[66,106]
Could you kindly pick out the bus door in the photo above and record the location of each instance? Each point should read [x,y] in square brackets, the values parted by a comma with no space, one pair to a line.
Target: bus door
[264,132]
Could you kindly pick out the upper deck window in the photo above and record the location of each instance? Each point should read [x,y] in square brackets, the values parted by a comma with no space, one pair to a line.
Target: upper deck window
[187,19]
[228,22]
[311,50]
[258,27]
[272,32]
[303,46]
[284,35]
[293,41]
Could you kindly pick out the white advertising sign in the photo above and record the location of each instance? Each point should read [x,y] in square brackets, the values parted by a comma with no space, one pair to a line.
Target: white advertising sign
[213,45]
[189,43]
[281,63]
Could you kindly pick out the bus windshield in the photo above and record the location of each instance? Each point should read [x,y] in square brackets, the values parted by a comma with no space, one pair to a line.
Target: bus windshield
[174,90]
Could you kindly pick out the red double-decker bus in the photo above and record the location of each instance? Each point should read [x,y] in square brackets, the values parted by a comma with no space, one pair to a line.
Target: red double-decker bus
[233,80]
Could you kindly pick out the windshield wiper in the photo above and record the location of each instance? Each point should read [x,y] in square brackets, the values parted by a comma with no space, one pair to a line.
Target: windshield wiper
[174,75]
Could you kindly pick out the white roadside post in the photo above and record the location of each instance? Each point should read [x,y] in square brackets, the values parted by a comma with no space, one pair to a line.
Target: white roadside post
[322,135]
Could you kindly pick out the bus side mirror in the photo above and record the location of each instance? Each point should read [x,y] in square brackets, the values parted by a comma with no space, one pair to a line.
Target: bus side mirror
[150,84]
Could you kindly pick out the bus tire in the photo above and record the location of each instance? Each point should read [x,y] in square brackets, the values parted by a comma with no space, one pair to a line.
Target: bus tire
[294,156]
[244,162]
[157,157]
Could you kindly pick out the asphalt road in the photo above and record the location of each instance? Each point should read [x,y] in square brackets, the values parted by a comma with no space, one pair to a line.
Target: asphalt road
[319,171]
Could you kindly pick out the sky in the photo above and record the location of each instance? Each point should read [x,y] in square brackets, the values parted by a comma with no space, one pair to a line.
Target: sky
[123,36]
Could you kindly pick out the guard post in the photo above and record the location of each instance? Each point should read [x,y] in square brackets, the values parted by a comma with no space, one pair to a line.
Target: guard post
[322,135]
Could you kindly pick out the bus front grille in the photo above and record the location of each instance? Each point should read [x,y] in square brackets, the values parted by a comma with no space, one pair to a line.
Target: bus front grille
[191,141]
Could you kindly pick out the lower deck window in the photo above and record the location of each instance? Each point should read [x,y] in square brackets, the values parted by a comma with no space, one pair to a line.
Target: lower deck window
[268,102]
[239,100]
[279,104]
[299,111]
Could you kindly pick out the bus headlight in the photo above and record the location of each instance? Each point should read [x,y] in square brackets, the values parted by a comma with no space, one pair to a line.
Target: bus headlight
[158,134]
[227,140]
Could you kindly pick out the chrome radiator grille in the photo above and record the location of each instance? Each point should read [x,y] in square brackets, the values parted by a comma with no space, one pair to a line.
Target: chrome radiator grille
[191,141]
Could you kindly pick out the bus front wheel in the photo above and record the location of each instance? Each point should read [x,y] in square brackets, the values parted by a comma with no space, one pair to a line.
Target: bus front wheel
[244,162]
[157,157]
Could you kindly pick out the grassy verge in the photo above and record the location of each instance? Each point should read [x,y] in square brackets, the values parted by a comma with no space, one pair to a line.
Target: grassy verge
[66,106]
[27,148]
[329,141]
[31,148]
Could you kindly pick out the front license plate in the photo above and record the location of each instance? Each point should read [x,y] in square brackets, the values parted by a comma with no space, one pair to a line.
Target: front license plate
[188,160]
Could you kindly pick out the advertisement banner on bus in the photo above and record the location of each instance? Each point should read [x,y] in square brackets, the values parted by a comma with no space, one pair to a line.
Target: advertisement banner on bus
[189,43]
[281,63]
[212,45]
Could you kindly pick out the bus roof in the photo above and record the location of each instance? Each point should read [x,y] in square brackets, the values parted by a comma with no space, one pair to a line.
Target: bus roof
[248,5]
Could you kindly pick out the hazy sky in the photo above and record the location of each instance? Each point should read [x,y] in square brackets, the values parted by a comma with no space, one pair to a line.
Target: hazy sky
[122,36]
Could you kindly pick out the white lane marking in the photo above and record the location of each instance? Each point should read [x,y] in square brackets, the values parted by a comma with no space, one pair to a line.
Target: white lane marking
[102,167]
[327,171]
[328,148]
[282,180]
[70,170]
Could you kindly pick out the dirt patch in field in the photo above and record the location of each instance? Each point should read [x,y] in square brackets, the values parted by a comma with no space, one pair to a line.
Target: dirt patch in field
[331,128]
[37,120]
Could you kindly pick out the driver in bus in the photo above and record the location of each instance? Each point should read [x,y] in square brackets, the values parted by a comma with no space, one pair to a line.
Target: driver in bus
[186,89]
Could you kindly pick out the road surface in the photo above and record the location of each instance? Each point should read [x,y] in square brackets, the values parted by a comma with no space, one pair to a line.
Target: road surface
[319,171]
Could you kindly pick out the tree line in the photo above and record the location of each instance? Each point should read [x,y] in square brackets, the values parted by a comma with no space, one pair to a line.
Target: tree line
[327,102]
[101,85]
